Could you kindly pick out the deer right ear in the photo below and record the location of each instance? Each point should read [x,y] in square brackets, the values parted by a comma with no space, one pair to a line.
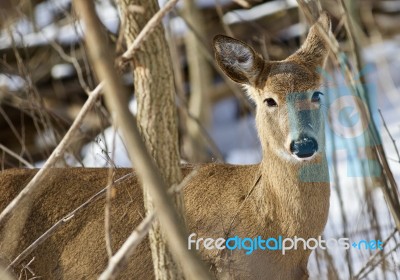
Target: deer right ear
[237,59]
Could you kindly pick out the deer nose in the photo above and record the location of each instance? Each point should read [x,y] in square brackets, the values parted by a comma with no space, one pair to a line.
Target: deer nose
[304,147]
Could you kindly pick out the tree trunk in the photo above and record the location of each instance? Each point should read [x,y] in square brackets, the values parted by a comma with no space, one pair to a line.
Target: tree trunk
[157,120]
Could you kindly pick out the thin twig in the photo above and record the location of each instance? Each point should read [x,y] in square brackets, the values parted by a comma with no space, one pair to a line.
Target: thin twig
[220,14]
[242,205]
[11,153]
[107,213]
[390,135]
[179,187]
[364,272]
[119,260]
[15,132]
[73,61]
[211,143]
[107,208]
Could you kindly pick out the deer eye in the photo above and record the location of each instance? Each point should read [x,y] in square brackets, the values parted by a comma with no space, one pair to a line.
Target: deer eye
[270,102]
[316,96]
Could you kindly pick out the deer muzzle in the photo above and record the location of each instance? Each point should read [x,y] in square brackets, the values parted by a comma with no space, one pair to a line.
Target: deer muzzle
[304,147]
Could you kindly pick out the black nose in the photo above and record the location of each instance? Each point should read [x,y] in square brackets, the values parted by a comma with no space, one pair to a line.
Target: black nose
[304,147]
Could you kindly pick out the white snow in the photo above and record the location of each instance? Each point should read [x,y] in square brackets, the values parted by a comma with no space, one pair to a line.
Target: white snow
[24,33]
[12,82]
[64,70]
[108,15]
[257,12]
[106,150]
[200,3]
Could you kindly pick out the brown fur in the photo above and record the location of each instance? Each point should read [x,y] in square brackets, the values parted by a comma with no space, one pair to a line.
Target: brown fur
[267,199]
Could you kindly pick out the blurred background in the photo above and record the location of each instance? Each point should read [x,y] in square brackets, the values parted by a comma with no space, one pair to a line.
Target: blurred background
[45,77]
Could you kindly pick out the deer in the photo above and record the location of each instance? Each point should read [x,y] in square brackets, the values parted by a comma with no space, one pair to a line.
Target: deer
[286,194]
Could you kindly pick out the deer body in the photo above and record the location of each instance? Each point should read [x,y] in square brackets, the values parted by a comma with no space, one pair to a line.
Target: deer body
[286,194]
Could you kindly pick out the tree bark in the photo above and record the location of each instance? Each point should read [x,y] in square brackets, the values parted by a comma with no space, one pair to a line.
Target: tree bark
[157,119]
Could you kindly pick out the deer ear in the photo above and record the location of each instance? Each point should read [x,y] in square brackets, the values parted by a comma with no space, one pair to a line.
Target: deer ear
[314,50]
[237,59]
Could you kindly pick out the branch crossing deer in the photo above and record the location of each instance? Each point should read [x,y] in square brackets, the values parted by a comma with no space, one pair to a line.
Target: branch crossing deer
[286,194]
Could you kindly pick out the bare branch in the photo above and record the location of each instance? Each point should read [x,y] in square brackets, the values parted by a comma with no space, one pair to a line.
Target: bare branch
[390,135]
[11,153]
[116,100]
[370,263]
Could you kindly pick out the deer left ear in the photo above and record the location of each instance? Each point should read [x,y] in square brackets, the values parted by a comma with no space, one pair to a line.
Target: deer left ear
[237,59]
[314,51]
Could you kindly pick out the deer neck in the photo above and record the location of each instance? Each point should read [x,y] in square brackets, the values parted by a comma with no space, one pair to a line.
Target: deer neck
[292,196]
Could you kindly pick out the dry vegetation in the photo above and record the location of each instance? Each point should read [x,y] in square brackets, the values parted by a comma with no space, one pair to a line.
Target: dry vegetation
[41,103]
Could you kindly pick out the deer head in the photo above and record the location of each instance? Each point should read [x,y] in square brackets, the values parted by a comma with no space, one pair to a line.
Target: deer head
[288,115]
